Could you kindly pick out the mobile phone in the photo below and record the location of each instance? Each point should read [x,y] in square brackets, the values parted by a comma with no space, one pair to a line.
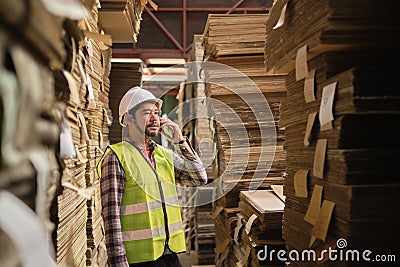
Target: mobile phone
[168,131]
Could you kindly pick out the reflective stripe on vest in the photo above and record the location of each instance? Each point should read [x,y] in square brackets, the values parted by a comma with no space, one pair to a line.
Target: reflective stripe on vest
[148,206]
[151,233]
[142,214]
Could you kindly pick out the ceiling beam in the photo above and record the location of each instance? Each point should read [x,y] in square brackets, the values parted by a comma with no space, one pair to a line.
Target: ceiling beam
[182,47]
[164,29]
[184,25]
[235,6]
[210,9]
[146,53]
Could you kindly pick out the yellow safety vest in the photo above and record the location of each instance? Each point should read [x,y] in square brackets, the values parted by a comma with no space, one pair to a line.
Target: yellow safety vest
[149,201]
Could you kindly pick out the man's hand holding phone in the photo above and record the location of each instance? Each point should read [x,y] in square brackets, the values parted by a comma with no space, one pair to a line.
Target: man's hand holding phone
[170,130]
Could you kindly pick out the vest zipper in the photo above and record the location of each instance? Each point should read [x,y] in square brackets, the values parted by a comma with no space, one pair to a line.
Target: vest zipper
[164,209]
[162,203]
[161,195]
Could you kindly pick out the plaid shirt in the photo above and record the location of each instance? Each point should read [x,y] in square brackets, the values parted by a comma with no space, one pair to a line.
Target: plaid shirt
[189,170]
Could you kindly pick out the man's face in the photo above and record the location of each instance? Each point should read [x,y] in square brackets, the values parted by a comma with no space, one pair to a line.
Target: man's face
[148,118]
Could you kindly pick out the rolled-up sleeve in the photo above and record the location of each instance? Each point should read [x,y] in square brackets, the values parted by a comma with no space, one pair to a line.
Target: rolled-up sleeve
[189,169]
[112,188]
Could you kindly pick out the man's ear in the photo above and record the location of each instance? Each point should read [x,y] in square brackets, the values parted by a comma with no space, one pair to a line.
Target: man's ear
[125,119]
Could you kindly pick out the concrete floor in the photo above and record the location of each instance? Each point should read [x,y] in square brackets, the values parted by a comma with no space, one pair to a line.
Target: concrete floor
[190,260]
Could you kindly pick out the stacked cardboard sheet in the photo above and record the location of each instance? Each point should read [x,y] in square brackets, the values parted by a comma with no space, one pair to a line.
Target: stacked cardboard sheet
[72,214]
[123,76]
[98,119]
[31,47]
[336,25]
[202,232]
[248,38]
[244,103]
[259,227]
[204,228]
[203,136]
[340,105]
[225,220]
[84,87]
[37,25]
[126,14]
[354,166]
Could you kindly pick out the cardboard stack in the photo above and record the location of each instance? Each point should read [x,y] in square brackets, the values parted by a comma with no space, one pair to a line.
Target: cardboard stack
[352,159]
[125,14]
[202,132]
[98,119]
[203,228]
[185,112]
[54,64]
[39,26]
[72,215]
[248,139]
[225,221]
[259,227]
[187,195]
[337,26]
[84,87]
[31,34]
[123,76]
[243,92]
[340,104]
[248,37]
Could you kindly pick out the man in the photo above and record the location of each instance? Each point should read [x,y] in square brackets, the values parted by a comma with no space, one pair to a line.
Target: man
[138,185]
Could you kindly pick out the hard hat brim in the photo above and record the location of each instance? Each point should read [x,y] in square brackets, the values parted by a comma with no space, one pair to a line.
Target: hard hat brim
[156,101]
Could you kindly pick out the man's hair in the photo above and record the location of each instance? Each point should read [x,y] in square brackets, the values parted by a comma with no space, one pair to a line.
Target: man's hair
[133,110]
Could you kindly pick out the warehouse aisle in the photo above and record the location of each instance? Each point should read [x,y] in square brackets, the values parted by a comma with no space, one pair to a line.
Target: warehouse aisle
[188,260]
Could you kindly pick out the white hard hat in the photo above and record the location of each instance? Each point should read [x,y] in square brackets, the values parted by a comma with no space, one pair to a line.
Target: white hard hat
[134,97]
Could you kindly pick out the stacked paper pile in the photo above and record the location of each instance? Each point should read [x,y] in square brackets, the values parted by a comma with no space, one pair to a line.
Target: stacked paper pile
[72,214]
[57,73]
[244,103]
[235,101]
[203,228]
[123,76]
[96,254]
[341,185]
[225,220]
[81,77]
[248,38]
[245,133]
[126,14]
[36,24]
[84,87]
[346,158]
[337,25]
[98,119]
[203,139]
[31,47]
[259,228]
